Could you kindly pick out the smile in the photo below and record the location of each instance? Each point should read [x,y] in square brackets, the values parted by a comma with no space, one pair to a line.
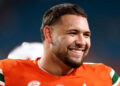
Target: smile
[76,52]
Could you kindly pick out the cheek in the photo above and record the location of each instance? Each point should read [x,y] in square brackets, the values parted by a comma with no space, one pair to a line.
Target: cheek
[69,38]
[63,40]
[66,41]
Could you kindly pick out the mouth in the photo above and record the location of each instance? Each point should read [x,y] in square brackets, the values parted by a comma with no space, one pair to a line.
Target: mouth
[76,51]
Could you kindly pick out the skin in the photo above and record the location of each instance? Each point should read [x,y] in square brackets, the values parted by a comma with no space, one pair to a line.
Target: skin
[66,44]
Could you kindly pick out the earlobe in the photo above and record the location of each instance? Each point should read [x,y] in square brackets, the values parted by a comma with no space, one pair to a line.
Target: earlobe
[47,33]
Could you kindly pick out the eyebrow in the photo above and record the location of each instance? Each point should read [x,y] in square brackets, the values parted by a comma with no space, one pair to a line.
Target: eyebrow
[75,30]
[71,30]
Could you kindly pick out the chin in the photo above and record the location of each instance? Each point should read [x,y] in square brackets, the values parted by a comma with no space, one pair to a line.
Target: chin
[74,64]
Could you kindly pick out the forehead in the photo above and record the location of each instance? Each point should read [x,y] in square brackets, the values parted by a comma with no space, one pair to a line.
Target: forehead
[74,21]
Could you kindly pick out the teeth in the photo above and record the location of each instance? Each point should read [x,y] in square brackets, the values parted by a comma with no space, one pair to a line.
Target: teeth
[76,51]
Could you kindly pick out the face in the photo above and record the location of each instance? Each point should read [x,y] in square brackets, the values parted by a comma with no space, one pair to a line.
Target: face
[71,40]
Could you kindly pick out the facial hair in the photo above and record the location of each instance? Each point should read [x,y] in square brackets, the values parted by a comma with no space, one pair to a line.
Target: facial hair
[62,54]
[65,58]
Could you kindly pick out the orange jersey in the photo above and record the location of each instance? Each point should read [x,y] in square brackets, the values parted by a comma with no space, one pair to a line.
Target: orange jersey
[28,73]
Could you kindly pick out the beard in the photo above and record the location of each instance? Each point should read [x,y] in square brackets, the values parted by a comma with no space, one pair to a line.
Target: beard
[66,59]
[71,63]
[62,54]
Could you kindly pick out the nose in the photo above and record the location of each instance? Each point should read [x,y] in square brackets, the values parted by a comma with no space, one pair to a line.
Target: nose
[80,41]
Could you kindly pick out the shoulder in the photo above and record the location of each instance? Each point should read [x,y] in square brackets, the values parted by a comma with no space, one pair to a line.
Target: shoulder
[97,69]
[103,70]
[97,66]
[7,64]
[13,62]
[13,67]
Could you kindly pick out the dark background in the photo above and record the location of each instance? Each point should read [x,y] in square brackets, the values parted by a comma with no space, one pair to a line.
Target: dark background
[20,21]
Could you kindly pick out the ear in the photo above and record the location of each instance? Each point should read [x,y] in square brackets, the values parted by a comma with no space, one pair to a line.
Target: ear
[47,34]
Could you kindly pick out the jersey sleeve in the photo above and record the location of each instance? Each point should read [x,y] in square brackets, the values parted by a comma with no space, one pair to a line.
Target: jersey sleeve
[115,78]
[2,81]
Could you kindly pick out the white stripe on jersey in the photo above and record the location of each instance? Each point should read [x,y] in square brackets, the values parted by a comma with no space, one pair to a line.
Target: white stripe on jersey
[2,83]
[112,73]
[1,71]
[88,63]
[117,82]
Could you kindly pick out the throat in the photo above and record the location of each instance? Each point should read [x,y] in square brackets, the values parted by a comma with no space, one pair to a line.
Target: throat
[54,69]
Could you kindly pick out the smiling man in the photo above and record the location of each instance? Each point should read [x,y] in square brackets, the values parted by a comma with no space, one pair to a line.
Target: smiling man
[66,43]
[66,39]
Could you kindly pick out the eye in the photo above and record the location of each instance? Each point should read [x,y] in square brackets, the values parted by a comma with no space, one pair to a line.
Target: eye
[88,34]
[73,32]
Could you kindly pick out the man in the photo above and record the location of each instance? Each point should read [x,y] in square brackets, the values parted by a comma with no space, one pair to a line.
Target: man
[66,39]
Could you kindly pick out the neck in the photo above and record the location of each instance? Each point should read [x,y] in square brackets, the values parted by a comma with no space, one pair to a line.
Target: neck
[54,66]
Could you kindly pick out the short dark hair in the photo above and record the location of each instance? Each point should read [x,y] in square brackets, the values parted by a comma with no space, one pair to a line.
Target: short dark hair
[54,13]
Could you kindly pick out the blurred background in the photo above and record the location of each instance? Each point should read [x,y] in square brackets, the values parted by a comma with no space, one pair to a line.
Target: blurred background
[20,21]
